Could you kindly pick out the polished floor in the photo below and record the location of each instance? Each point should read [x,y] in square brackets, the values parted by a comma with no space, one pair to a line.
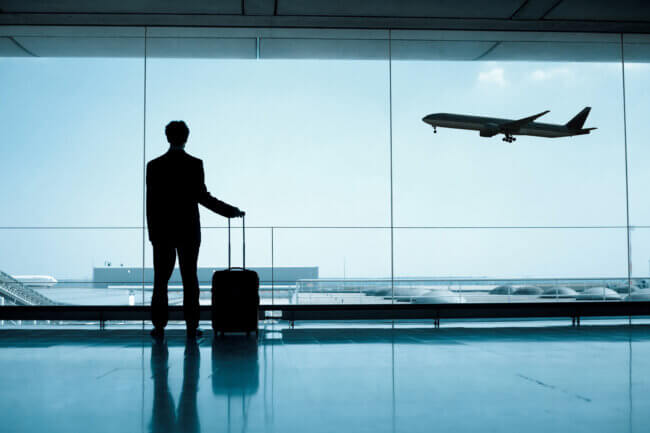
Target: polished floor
[329,378]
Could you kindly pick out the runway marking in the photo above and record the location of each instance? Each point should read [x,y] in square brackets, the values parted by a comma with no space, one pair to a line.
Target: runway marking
[114,370]
[546,385]
[107,373]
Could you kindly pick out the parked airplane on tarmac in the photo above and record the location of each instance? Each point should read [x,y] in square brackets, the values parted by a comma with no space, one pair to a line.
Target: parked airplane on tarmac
[490,126]
[35,280]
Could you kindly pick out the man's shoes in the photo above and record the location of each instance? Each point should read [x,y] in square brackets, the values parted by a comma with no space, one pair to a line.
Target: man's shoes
[158,333]
[195,333]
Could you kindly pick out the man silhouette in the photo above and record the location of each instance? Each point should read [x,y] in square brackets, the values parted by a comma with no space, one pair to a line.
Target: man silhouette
[175,188]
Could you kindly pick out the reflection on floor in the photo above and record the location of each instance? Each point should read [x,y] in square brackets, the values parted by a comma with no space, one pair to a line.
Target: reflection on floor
[324,378]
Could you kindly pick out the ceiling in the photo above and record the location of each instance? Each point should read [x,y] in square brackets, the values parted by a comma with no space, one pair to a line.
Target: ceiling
[564,15]
[544,30]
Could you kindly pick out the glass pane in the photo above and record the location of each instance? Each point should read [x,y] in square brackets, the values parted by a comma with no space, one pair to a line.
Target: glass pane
[637,94]
[292,140]
[65,266]
[636,50]
[458,178]
[640,264]
[506,265]
[72,106]
[353,265]
[213,255]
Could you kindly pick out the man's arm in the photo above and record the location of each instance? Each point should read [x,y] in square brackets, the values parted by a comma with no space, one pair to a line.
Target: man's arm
[215,205]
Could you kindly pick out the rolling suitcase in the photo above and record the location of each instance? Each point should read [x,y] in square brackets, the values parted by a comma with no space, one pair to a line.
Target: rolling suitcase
[235,295]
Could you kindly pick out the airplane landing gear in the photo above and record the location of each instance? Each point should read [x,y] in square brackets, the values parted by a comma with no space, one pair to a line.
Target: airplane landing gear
[435,131]
[509,138]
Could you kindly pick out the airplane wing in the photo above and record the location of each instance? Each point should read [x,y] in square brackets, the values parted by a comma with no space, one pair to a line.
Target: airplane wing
[515,125]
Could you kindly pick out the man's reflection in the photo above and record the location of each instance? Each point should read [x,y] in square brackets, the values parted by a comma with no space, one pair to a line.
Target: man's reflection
[163,417]
[188,415]
[235,371]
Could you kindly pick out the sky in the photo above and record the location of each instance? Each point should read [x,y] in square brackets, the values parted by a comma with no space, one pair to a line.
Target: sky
[300,144]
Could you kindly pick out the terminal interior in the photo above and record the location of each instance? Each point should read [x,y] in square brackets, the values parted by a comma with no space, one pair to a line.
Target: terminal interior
[309,116]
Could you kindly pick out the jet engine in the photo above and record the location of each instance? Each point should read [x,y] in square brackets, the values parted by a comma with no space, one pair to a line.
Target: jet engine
[490,130]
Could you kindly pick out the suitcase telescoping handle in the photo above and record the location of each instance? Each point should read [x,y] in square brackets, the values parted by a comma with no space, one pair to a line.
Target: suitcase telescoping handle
[243,231]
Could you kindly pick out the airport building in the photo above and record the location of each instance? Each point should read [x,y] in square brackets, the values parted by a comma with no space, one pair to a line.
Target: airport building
[446,208]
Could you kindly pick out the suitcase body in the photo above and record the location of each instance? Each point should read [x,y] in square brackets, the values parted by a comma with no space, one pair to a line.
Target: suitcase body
[235,296]
[235,300]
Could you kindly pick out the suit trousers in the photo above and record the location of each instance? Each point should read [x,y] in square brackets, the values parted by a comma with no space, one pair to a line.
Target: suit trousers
[164,259]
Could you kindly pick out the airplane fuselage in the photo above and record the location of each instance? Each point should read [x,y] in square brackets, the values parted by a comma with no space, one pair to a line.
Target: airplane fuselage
[36,280]
[492,126]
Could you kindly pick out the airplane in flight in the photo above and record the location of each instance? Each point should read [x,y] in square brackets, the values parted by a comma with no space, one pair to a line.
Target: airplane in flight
[490,126]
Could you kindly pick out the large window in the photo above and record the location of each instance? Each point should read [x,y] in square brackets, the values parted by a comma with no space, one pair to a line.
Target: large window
[318,136]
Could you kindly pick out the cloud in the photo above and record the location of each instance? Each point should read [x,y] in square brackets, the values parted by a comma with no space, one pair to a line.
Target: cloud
[493,76]
[634,67]
[551,74]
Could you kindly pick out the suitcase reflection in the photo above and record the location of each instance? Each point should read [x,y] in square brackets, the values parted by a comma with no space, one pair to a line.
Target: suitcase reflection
[235,373]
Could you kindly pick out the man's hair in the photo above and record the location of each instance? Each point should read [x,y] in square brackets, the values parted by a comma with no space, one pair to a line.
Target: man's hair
[177,132]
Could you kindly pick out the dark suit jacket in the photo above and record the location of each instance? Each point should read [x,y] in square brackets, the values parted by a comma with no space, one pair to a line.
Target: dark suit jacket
[175,188]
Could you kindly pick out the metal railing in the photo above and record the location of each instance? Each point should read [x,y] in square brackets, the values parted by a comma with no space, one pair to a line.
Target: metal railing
[435,312]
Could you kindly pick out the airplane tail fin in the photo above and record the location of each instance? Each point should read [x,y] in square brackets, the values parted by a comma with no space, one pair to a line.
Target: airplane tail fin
[579,119]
